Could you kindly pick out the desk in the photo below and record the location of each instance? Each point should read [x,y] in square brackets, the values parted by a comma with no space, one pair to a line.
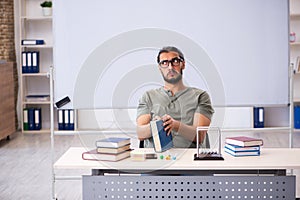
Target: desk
[260,177]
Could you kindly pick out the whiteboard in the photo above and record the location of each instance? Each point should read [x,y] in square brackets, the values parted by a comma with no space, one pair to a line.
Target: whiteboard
[105,51]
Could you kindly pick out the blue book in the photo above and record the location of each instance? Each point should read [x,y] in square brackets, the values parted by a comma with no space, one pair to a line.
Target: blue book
[297,117]
[258,117]
[242,153]
[236,148]
[113,142]
[161,140]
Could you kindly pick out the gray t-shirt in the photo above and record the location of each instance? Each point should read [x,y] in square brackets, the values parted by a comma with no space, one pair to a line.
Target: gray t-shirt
[182,107]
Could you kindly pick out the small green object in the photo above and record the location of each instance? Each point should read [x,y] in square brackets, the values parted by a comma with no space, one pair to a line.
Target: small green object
[161,156]
[46,4]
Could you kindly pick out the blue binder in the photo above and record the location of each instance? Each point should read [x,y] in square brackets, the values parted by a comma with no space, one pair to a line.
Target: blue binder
[297,117]
[259,113]
[66,120]
[37,119]
[24,62]
[71,119]
[60,119]
[35,62]
[29,62]
[31,125]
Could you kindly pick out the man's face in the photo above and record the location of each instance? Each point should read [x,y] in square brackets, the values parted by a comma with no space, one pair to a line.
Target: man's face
[172,73]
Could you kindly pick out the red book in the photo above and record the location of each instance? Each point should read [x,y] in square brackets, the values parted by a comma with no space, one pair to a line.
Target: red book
[244,141]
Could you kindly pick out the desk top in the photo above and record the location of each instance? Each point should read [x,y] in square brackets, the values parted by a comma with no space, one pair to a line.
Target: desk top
[270,158]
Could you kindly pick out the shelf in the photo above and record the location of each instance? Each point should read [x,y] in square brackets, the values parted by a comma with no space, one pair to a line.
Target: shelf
[294,16]
[44,46]
[294,44]
[35,102]
[37,131]
[41,18]
[86,132]
[266,129]
[41,74]
[296,130]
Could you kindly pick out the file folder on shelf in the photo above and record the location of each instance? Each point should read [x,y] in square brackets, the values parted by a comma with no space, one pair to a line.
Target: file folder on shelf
[35,62]
[24,62]
[25,119]
[297,116]
[30,62]
[66,119]
[37,118]
[60,119]
[31,122]
[71,119]
[32,42]
[259,113]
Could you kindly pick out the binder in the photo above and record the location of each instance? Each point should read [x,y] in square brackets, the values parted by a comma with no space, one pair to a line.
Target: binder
[37,118]
[259,117]
[32,42]
[29,62]
[66,120]
[60,120]
[25,119]
[71,119]
[31,125]
[24,62]
[297,117]
[35,62]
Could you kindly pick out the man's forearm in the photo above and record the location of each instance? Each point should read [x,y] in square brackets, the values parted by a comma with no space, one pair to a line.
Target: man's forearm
[143,131]
[187,131]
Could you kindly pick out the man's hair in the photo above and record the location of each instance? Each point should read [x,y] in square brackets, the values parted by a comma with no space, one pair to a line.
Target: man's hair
[169,49]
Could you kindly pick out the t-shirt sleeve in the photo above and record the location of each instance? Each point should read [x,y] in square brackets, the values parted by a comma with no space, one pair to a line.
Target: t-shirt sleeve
[204,105]
[144,105]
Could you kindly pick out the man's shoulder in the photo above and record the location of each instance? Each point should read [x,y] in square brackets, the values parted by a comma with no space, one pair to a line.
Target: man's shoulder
[154,91]
[196,90]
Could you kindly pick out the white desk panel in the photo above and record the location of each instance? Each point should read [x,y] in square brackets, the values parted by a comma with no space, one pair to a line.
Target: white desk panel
[270,158]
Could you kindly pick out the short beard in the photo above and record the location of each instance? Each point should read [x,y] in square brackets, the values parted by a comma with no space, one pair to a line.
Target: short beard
[173,80]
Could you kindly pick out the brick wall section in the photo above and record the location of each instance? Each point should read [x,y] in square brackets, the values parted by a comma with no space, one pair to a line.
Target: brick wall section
[7,40]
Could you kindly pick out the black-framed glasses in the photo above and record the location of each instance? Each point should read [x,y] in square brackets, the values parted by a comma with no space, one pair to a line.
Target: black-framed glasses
[174,62]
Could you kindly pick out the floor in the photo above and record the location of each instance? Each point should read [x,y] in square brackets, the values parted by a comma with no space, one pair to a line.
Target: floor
[26,164]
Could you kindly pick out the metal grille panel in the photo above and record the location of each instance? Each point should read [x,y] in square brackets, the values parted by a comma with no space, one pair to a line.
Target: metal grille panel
[189,187]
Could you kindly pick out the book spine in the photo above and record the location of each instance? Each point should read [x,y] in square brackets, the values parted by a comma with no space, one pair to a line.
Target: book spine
[258,117]
[60,120]
[32,42]
[71,120]
[25,119]
[297,117]
[37,118]
[31,119]
[155,136]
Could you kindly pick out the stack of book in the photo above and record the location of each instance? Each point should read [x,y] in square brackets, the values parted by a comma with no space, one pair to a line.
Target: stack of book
[243,146]
[109,149]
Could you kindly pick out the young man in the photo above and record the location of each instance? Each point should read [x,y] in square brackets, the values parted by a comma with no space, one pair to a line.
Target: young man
[181,108]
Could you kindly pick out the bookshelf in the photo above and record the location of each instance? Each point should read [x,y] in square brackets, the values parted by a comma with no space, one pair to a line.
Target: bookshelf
[33,25]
